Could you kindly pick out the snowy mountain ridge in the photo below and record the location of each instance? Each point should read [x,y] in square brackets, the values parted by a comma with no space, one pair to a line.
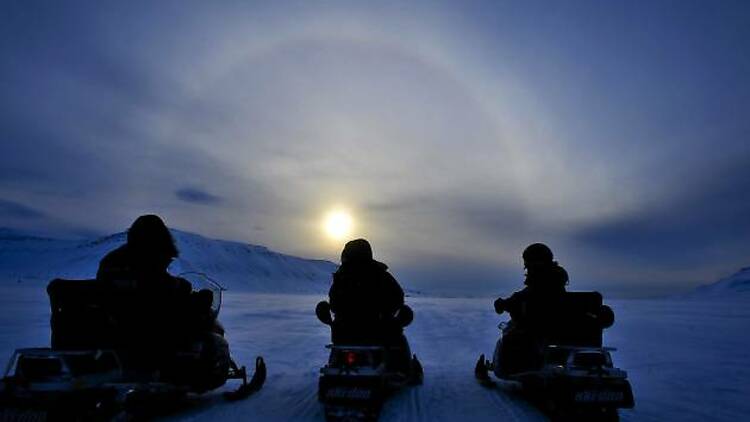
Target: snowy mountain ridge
[27,258]
[737,283]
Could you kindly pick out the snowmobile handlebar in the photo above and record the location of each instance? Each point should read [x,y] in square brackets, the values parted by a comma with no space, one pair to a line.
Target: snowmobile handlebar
[202,282]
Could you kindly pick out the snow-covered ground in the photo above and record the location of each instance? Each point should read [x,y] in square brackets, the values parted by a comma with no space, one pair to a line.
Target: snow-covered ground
[688,360]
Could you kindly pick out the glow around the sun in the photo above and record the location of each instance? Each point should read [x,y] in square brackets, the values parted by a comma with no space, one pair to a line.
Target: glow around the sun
[338,224]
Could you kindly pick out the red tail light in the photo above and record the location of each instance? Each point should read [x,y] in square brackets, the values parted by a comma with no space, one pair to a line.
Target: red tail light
[350,358]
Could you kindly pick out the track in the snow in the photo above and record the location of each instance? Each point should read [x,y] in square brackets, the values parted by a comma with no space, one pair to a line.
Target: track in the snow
[287,334]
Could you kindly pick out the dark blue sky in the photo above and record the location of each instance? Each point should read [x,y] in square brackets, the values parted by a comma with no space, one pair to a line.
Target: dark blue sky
[454,132]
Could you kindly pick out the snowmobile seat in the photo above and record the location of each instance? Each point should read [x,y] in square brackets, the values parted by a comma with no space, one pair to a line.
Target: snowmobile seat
[575,320]
[80,319]
[93,314]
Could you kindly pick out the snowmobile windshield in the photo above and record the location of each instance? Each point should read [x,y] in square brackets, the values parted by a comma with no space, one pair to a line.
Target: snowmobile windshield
[201,281]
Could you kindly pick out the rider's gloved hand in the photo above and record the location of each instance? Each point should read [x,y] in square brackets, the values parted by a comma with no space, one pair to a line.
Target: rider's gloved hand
[203,299]
[500,306]
[404,316]
[605,316]
[323,312]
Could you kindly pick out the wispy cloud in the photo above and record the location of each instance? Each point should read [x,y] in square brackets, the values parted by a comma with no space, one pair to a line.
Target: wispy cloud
[197,196]
[15,210]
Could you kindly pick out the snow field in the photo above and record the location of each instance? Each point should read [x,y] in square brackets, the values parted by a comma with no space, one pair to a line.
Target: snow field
[688,360]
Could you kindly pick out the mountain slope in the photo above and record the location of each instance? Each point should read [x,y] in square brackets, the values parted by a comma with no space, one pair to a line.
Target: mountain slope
[738,284]
[238,266]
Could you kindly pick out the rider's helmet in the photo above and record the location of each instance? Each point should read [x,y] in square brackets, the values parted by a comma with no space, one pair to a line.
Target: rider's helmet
[149,238]
[356,251]
[537,254]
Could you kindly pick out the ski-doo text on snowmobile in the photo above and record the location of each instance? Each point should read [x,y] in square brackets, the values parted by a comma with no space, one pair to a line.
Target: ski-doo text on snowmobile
[365,365]
[357,379]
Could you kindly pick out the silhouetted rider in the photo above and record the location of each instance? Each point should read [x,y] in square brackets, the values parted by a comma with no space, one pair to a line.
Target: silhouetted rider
[145,256]
[545,282]
[532,309]
[138,270]
[368,303]
[153,312]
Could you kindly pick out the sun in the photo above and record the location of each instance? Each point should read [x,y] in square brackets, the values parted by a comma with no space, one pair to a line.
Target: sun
[338,224]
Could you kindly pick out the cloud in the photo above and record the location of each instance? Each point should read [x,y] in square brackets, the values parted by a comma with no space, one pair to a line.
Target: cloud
[704,222]
[15,210]
[461,275]
[197,196]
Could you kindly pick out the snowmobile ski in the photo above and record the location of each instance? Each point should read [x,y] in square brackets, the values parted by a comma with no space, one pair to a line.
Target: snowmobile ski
[247,388]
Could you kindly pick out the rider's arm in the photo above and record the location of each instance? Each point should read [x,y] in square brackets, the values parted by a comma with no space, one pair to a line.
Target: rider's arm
[512,304]
[394,295]
[500,305]
[334,295]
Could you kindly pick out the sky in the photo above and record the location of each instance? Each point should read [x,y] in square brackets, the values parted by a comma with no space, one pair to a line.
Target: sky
[454,133]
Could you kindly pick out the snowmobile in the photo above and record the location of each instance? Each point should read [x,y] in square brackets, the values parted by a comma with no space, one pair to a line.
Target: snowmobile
[81,377]
[566,370]
[360,374]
